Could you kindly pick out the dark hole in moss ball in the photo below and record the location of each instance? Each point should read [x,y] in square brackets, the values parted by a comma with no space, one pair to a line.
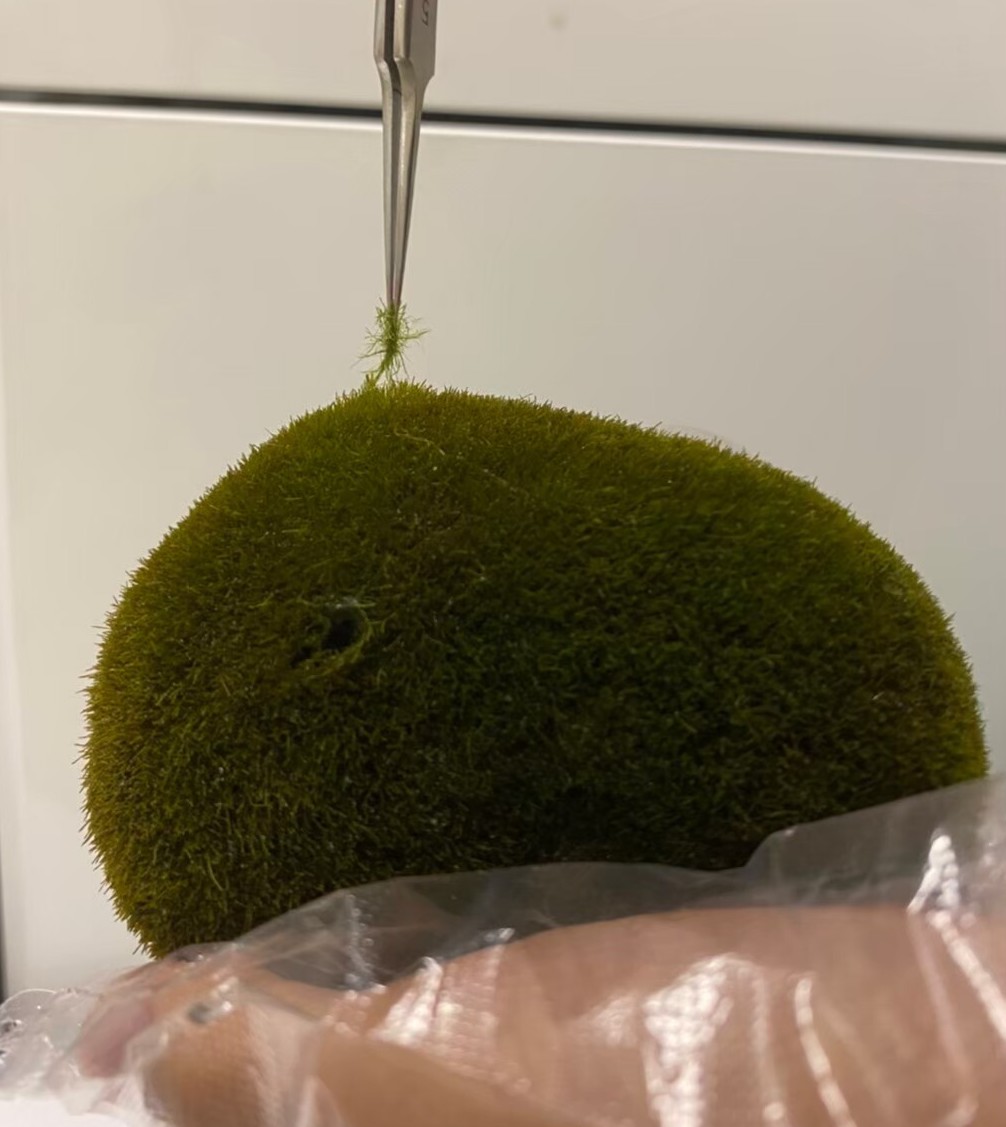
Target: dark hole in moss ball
[423,632]
[335,630]
[345,629]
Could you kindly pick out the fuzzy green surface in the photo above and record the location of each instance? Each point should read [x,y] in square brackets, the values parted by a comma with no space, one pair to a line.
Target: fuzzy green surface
[423,632]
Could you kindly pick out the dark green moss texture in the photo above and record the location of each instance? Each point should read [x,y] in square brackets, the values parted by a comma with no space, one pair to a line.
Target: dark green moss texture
[424,631]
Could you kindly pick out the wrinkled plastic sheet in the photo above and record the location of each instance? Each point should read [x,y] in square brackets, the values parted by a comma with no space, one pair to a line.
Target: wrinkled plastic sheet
[852,974]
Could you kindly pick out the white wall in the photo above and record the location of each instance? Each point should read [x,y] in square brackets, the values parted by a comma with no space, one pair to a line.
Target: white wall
[929,66]
[173,287]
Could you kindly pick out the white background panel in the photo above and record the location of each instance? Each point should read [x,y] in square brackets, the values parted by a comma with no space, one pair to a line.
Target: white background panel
[171,290]
[930,66]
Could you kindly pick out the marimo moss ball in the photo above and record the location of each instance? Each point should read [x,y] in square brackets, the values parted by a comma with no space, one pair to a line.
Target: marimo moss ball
[423,632]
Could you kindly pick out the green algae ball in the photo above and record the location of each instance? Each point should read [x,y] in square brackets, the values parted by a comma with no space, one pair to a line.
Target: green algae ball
[422,632]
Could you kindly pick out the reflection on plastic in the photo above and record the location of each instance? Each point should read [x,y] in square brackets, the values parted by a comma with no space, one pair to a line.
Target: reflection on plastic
[852,975]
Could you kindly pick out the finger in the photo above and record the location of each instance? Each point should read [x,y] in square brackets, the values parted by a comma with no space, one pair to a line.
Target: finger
[750,1002]
[136,1000]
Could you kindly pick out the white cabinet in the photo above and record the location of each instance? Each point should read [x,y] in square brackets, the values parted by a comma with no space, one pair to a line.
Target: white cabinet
[921,66]
[173,288]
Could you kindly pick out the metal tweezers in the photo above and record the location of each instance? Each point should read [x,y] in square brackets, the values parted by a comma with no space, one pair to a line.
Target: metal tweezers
[404,48]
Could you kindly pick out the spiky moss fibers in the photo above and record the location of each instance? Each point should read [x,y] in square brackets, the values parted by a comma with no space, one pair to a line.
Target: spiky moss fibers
[394,330]
[420,632]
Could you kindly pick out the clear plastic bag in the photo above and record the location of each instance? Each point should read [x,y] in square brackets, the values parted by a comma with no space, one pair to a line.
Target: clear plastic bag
[852,974]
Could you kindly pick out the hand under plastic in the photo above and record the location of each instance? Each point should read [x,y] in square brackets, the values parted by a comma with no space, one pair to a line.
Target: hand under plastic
[845,1017]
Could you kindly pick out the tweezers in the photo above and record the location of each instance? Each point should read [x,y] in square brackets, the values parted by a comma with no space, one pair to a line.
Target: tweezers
[404,47]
